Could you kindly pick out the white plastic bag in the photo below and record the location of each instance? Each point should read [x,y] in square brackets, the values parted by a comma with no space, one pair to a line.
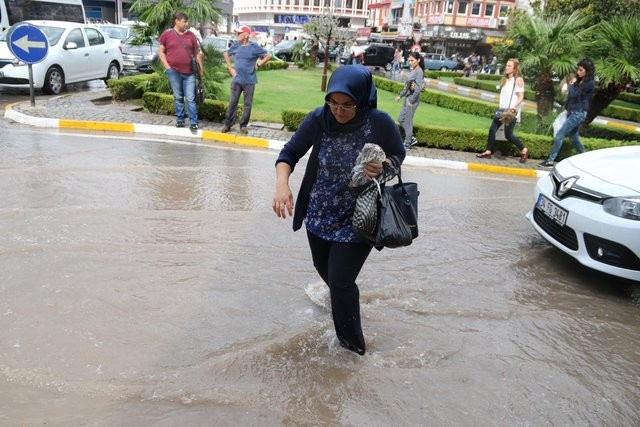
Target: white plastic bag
[559,121]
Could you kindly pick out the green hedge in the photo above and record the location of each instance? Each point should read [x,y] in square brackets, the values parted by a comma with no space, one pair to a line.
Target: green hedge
[630,97]
[494,77]
[161,103]
[489,86]
[595,130]
[129,87]
[434,74]
[622,113]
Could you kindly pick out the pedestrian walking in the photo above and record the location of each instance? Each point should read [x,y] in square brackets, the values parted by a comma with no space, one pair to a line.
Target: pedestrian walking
[511,97]
[580,92]
[248,57]
[337,132]
[178,50]
[411,90]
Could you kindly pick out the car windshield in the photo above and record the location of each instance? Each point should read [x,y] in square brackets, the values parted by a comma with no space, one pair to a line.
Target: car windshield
[218,43]
[119,33]
[53,34]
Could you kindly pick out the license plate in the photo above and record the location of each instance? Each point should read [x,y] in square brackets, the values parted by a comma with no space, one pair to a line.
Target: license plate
[552,210]
[128,63]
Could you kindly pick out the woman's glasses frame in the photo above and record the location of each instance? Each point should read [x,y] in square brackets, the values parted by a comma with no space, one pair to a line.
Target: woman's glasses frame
[336,106]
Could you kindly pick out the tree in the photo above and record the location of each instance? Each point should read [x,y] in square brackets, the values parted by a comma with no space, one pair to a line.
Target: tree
[596,11]
[546,47]
[322,30]
[157,14]
[616,53]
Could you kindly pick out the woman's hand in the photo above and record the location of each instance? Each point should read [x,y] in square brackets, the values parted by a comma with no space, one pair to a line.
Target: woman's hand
[283,201]
[397,98]
[373,169]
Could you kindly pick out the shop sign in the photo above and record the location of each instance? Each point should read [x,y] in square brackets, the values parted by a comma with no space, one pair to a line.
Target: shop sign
[291,19]
[480,22]
[363,32]
[435,20]
[463,35]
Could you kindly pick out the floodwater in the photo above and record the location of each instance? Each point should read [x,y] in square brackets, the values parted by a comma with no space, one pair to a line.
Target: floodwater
[149,283]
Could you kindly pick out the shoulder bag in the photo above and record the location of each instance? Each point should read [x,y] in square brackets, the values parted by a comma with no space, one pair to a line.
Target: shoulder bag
[507,115]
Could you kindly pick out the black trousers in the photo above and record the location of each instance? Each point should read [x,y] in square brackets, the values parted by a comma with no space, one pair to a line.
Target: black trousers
[339,265]
[508,133]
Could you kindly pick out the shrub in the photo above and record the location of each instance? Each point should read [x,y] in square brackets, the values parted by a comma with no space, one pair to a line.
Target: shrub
[129,87]
[630,97]
[161,103]
[490,86]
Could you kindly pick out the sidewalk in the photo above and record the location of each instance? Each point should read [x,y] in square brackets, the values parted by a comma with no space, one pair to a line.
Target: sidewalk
[94,110]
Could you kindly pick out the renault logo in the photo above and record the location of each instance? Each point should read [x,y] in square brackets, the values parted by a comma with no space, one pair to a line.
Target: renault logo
[566,185]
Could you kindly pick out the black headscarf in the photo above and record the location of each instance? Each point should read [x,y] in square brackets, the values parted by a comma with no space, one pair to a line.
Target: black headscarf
[356,82]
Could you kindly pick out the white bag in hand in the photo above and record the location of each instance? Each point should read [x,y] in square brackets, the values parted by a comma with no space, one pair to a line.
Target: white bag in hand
[559,121]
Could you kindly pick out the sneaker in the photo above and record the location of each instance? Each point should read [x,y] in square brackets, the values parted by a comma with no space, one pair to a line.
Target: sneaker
[179,124]
[407,147]
[546,164]
[413,142]
[226,129]
[244,130]
[194,127]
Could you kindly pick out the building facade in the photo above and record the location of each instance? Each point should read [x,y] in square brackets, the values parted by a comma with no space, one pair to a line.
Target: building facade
[444,26]
[285,18]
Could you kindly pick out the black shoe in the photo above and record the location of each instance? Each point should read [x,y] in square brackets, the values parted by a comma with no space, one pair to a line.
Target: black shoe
[546,164]
[180,124]
[226,129]
[194,127]
[344,343]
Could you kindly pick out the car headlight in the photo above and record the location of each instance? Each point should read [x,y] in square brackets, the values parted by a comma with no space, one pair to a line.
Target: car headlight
[624,207]
[149,56]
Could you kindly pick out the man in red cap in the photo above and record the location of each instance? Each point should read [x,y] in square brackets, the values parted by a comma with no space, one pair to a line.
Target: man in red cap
[248,57]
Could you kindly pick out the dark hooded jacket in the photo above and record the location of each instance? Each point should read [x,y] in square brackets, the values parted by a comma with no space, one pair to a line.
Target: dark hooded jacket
[356,82]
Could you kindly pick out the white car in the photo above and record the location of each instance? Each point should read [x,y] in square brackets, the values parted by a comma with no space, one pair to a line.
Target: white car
[77,53]
[589,207]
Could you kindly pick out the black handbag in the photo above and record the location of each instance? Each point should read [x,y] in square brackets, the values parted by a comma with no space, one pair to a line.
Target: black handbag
[200,94]
[387,216]
[406,196]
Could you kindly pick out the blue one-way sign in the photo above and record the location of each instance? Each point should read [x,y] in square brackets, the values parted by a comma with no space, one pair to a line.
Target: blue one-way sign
[27,43]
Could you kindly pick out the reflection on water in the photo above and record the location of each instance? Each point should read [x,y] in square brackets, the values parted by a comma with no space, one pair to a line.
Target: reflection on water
[147,283]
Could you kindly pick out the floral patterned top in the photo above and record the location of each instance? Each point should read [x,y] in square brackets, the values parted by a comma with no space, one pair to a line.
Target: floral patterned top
[331,203]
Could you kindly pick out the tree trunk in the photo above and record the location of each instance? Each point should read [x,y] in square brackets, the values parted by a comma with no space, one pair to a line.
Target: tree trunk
[602,97]
[544,96]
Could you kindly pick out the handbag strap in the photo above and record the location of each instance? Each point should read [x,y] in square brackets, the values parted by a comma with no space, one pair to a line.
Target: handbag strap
[191,55]
[515,80]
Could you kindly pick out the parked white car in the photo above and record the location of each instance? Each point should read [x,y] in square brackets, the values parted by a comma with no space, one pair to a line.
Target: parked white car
[77,53]
[589,207]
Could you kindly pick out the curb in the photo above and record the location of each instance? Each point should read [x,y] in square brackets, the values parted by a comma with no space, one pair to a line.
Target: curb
[250,141]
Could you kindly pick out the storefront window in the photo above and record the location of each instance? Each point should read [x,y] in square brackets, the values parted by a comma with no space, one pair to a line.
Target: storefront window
[449,7]
[462,8]
[475,9]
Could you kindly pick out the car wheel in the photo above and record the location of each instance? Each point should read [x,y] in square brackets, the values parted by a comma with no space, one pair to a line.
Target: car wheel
[53,81]
[113,72]
[283,57]
[444,69]
[387,66]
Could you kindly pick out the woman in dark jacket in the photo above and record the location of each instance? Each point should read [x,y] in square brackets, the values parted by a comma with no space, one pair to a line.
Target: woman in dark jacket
[580,93]
[337,132]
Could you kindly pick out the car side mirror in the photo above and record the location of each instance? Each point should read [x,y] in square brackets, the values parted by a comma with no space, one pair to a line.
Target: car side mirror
[70,46]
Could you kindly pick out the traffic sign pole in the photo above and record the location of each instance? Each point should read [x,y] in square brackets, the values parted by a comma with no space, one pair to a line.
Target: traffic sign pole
[30,45]
[31,94]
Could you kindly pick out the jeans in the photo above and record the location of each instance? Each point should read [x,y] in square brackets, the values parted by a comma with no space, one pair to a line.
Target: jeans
[508,133]
[570,127]
[183,87]
[339,265]
[406,120]
[236,90]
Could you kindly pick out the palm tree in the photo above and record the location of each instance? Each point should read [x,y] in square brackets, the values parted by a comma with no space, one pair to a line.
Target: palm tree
[547,47]
[617,49]
[157,14]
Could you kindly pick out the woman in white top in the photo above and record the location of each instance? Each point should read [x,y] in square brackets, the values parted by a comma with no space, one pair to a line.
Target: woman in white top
[511,97]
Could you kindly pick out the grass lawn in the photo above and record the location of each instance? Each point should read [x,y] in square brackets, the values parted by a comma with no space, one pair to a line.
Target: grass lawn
[300,89]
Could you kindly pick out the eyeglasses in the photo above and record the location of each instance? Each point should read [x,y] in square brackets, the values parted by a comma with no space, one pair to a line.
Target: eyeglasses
[343,107]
